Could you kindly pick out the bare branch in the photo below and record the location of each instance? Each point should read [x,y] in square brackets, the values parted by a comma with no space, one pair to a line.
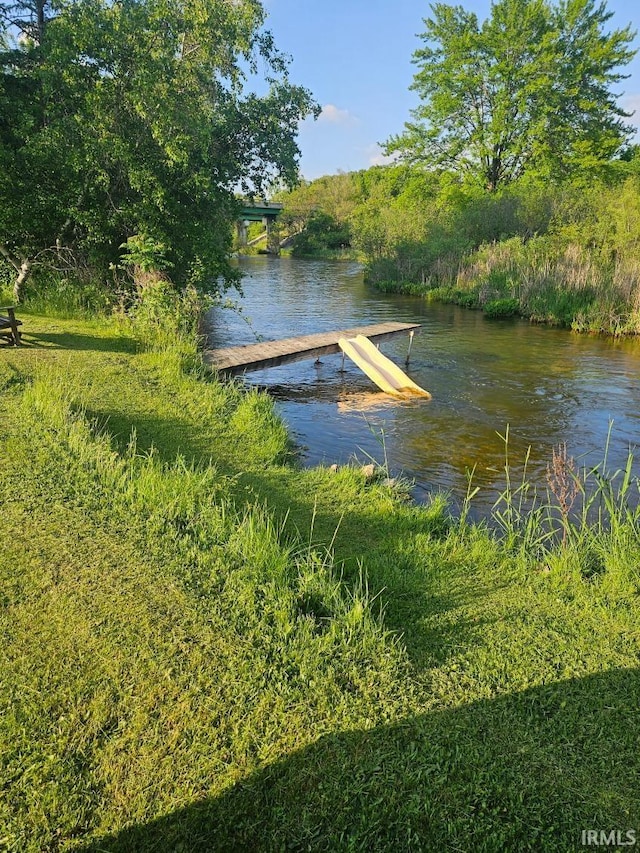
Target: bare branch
[10,257]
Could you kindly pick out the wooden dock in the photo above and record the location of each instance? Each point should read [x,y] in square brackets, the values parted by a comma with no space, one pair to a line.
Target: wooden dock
[235,360]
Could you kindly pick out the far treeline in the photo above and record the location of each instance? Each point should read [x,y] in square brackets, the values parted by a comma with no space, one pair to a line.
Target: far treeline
[515,188]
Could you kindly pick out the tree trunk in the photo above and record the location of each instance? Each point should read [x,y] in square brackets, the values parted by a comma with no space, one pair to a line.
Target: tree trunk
[23,268]
[41,20]
[21,280]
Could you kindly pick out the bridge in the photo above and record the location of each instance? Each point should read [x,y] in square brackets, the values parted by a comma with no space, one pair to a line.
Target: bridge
[266,212]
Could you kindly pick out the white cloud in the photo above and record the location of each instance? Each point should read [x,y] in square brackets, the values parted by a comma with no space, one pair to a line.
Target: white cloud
[334,115]
[631,103]
[377,158]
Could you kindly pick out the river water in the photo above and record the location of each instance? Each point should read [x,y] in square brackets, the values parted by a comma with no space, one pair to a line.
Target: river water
[546,385]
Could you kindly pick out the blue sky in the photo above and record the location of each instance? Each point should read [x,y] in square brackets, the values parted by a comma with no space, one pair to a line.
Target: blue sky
[355,57]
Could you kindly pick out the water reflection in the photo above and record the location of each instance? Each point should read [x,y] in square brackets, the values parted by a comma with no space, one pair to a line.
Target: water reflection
[549,385]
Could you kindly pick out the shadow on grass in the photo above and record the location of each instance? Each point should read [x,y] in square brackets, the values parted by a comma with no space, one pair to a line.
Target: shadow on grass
[73,341]
[527,771]
[169,437]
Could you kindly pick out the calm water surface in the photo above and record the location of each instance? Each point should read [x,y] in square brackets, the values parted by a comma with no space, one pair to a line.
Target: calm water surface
[547,385]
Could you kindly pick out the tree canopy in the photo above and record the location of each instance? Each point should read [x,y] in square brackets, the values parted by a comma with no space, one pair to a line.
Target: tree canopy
[529,90]
[136,117]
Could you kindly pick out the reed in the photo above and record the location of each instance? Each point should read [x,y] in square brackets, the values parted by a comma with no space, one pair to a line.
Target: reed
[584,509]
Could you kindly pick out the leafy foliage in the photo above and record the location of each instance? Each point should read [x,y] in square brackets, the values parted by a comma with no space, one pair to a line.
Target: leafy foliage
[322,231]
[502,307]
[529,90]
[135,118]
[564,252]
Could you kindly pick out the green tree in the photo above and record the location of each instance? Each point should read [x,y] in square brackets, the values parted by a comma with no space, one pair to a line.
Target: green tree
[322,231]
[334,195]
[138,118]
[527,91]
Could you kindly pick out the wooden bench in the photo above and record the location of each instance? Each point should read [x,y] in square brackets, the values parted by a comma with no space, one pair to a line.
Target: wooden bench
[9,325]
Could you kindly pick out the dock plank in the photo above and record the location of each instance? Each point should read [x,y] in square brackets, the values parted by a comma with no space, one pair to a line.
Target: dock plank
[239,359]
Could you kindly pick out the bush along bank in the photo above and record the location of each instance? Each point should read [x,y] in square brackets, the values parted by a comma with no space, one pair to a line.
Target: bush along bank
[573,263]
[541,282]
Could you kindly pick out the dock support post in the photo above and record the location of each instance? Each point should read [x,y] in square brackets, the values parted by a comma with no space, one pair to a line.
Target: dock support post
[409,351]
[342,368]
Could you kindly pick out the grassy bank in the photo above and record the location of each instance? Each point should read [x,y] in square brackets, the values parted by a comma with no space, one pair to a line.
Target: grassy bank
[207,648]
[564,255]
[544,280]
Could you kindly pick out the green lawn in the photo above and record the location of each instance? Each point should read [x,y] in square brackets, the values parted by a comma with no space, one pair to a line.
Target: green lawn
[207,648]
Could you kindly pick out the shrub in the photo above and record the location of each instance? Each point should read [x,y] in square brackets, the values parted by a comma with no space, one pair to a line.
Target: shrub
[498,308]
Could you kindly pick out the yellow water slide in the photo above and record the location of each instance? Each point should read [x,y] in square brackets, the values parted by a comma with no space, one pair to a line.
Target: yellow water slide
[379,368]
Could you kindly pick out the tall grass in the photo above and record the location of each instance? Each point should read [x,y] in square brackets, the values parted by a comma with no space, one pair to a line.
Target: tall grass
[78,294]
[543,279]
[187,505]
[590,516]
[162,315]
